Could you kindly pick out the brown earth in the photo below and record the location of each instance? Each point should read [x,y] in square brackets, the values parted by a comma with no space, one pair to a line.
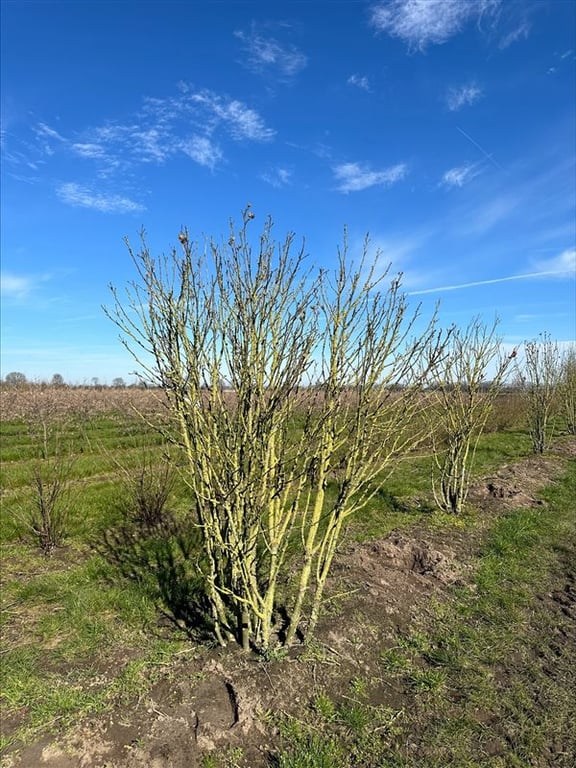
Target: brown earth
[222,699]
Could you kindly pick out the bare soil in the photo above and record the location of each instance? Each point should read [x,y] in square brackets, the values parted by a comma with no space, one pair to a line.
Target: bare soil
[219,699]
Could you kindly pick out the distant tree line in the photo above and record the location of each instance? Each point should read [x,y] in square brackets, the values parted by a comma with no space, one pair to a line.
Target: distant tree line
[19,379]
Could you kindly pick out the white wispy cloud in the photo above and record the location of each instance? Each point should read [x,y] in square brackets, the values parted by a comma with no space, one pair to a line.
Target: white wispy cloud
[155,134]
[240,121]
[360,81]
[560,62]
[420,23]
[243,122]
[83,197]
[20,287]
[460,175]
[525,318]
[562,264]
[15,286]
[277,177]
[25,179]
[520,32]
[47,141]
[141,141]
[41,129]
[151,145]
[492,213]
[354,177]
[89,150]
[20,158]
[202,150]
[397,255]
[267,53]
[463,96]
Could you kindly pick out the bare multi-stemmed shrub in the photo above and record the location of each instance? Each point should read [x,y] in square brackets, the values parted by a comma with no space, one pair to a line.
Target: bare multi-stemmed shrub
[147,489]
[291,392]
[508,411]
[45,512]
[464,387]
[47,517]
[567,389]
[539,377]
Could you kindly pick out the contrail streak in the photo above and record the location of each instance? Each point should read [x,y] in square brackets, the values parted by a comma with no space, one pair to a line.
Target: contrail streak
[486,282]
[486,155]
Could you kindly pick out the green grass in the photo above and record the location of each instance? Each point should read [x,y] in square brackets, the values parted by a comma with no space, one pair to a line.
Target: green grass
[343,733]
[497,448]
[47,699]
[20,442]
[68,617]
[476,677]
[405,494]
[66,652]
[76,636]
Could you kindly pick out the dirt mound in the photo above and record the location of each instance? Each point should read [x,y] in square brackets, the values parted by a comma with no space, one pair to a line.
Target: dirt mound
[517,485]
[400,552]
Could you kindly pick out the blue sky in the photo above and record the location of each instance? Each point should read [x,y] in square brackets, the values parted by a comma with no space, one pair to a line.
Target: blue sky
[444,128]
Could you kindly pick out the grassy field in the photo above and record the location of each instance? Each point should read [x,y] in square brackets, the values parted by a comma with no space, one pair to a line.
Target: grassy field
[67,616]
[94,625]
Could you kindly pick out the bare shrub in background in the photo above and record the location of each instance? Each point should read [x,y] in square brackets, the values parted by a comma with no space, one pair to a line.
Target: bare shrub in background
[464,387]
[508,411]
[47,517]
[567,389]
[283,386]
[539,377]
[46,421]
[147,489]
